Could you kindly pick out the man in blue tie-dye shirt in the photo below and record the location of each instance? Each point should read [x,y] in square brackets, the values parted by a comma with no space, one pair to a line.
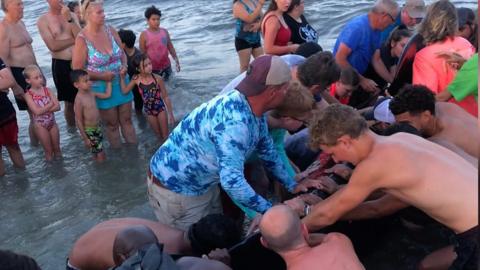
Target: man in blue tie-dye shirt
[211,144]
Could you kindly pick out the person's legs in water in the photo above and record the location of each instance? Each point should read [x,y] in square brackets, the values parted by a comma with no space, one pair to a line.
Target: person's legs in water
[125,120]
[69,113]
[244,58]
[110,118]
[43,136]
[162,121]
[55,139]
[16,156]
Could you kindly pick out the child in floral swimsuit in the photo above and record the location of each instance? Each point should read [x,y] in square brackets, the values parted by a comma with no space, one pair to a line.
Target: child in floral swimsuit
[156,103]
[42,103]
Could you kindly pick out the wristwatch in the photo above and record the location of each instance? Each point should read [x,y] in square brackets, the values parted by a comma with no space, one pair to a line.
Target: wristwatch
[306,210]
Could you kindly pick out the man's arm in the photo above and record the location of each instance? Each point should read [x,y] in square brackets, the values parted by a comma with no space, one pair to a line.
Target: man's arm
[380,68]
[6,78]
[4,44]
[231,142]
[271,160]
[327,212]
[53,45]
[342,60]
[172,52]
[381,207]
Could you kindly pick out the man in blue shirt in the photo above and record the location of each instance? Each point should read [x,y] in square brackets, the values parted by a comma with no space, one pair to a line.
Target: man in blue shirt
[356,44]
[410,15]
[210,145]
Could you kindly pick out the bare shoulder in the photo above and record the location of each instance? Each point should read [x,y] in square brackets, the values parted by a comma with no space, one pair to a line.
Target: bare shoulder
[268,19]
[42,18]
[158,78]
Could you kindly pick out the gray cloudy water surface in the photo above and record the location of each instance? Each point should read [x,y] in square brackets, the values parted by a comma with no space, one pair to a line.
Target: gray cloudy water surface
[46,207]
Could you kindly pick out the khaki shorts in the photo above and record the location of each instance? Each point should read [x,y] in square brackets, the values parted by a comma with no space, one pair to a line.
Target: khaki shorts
[181,211]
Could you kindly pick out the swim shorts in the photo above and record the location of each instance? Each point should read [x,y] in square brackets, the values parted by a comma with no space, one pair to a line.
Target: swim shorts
[95,136]
[61,77]
[17,73]
[9,132]
[466,247]
[241,44]
[164,73]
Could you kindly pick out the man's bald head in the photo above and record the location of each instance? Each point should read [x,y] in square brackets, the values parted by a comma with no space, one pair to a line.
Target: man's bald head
[281,228]
[129,240]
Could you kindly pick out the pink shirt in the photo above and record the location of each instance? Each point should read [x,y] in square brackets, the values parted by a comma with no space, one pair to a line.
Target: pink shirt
[433,71]
[157,48]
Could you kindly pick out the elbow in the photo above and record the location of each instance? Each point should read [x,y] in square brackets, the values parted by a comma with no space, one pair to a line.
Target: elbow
[269,49]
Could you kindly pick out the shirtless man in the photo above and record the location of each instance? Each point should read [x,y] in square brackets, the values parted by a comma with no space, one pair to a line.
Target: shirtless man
[58,28]
[137,247]
[93,250]
[283,232]
[441,122]
[16,49]
[419,173]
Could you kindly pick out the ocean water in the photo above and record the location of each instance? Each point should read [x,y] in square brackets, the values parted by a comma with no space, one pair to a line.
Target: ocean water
[46,207]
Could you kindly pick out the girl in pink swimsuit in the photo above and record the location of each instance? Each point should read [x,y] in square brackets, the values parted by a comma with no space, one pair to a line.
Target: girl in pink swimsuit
[42,103]
[156,43]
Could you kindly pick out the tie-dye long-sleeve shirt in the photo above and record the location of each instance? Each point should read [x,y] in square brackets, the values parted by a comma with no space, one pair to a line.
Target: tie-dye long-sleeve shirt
[211,144]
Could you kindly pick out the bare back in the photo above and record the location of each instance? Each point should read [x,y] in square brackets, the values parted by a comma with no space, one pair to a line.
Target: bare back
[16,44]
[334,253]
[460,128]
[94,249]
[427,176]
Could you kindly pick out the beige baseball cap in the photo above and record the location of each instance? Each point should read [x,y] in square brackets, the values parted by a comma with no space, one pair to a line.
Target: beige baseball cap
[415,8]
[264,71]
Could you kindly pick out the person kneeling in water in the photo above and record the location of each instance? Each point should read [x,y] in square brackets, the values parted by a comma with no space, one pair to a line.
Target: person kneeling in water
[93,250]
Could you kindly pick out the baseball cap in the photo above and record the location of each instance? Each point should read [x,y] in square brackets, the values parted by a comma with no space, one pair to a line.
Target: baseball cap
[381,111]
[264,71]
[415,8]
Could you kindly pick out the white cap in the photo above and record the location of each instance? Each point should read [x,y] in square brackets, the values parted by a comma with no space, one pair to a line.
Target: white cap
[382,112]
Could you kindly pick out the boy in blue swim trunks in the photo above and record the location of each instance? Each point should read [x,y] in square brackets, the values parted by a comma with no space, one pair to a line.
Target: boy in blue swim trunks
[87,115]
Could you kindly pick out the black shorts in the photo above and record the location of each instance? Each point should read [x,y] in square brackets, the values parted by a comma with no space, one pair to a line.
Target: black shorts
[466,247]
[61,77]
[164,73]
[17,73]
[241,44]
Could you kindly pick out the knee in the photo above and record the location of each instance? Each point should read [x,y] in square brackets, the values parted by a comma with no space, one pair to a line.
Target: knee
[126,120]
[112,124]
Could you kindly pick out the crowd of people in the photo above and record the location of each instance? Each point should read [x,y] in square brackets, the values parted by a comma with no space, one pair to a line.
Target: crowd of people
[357,149]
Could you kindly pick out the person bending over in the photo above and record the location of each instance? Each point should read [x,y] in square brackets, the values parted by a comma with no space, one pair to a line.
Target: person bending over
[420,173]
[93,249]
[441,122]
